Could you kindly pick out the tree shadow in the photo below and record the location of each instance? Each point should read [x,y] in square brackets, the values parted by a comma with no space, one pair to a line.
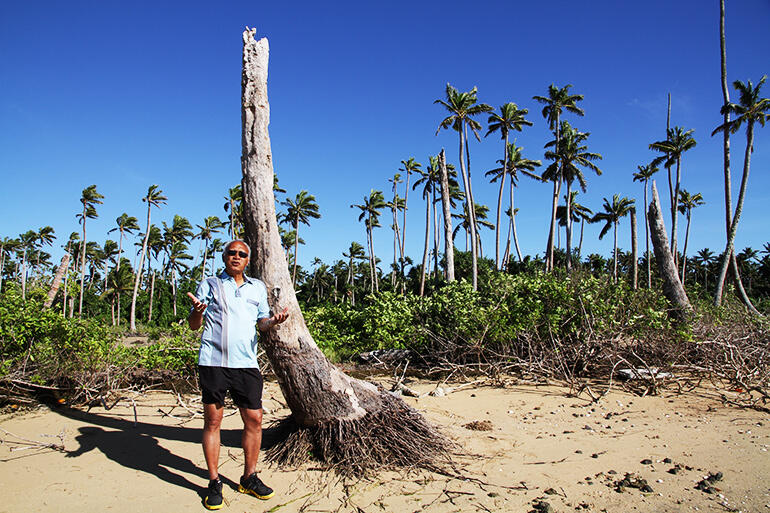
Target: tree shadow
[137,447]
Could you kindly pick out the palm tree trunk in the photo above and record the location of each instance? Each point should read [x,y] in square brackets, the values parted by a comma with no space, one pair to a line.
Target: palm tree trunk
[634,262]
[24,274]
[684,254]
[674,250]
[173,289]
[56,280]
[396,238]
[580,244]
[435,233]
[449,252]
[66,279]
[728,255]
[647,239]
[152,294]
[500,203]
[139,268]
[427,244]
[468,210]
[82,265]
[296,245]
[568,227]
[615,251]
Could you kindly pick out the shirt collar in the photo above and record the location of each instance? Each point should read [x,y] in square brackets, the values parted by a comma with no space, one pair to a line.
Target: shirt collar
[246,279]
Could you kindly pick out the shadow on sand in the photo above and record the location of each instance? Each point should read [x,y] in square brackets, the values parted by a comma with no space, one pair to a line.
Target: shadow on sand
[137,446]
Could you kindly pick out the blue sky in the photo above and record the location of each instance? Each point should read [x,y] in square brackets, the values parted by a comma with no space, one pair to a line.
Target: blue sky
[125,95]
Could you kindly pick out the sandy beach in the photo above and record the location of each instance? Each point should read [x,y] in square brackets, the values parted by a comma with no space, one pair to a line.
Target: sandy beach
[518,446]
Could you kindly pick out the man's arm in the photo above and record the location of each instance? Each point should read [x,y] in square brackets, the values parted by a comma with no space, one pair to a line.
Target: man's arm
[195,319]
[266,323]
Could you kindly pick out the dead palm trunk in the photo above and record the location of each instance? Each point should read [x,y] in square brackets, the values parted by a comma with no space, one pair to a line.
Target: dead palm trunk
[449,252]
[672,287]
[341,420]
[647,239]
[57,281]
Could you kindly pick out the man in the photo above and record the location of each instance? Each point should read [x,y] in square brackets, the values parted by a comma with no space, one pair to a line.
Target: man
[231,304]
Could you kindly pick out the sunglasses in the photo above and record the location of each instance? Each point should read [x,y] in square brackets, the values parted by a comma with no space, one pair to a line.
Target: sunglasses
[232,252]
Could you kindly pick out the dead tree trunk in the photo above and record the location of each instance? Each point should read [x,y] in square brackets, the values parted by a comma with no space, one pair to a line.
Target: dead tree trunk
[672,287]
[346,422]
[57,281]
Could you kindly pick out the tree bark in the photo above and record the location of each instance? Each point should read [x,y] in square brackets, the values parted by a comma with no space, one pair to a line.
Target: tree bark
[672,287]
[634,256]
[346,419]
[449,252]
[65,261]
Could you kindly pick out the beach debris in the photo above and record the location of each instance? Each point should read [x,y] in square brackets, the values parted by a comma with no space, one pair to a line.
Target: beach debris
[707,484]
[642,373]
[386,356]
[633,481]
[646,461]
[479,425]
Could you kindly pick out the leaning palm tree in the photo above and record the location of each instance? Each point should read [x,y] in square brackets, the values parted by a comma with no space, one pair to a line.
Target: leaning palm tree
[687,202]
[644,175]
[751,109]
[300,210]
[90,198]
[677,142]
[613,212]
[509,118]
[370,215]
[558,99]
[568,158]
[154,198]
[462,107]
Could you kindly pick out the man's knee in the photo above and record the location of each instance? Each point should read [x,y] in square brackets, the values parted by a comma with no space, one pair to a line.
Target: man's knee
[252,419]
[212,418]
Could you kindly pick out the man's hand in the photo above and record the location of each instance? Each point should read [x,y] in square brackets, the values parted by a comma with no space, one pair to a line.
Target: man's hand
[268,322]
[195,319]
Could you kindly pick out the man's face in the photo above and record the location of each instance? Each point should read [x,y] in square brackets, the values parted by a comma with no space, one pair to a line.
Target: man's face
[236,257]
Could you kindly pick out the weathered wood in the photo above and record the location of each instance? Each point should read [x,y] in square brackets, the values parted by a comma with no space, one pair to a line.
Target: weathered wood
[57,281]
[672,287]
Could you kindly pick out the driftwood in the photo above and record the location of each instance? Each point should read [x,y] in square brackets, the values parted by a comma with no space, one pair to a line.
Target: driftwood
[65,261]
[349,423]
[672,286]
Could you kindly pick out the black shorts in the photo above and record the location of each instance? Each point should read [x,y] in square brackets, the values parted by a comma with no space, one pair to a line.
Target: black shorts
[245,386]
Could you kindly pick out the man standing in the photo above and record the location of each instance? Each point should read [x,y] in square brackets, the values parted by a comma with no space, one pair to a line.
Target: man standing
[232,306]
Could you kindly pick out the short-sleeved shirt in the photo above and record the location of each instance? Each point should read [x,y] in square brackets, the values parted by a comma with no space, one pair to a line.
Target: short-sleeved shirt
[230,332]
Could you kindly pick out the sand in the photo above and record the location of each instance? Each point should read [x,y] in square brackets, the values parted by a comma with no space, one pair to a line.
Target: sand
[541,445]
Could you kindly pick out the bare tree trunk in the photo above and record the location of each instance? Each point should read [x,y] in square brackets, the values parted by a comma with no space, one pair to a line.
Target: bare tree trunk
[647,239]
[634,257]
[449,252]
[672,287]
[65,261]
[338,418]
[423,269]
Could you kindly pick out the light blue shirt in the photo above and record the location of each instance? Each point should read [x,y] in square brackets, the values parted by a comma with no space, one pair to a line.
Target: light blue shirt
[230,332]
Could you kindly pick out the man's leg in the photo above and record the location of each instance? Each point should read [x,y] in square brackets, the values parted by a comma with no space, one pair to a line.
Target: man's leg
[212,421]
[251,439]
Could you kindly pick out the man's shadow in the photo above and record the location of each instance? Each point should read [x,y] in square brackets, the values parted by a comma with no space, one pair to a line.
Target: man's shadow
[137,446]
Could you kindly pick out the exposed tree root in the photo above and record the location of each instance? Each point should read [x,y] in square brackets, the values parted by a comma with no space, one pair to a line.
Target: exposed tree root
[396,436]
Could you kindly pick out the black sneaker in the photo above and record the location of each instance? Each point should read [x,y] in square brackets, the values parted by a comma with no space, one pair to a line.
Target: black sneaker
[214,498]
[254,486]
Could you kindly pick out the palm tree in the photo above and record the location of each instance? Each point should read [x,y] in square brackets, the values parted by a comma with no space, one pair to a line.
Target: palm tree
[410,166]
[687,202]
[395,206]
[125,224]
[300,210]
[26,244]
[154,198]
[428,180]
[705,257]
[751,109]
[176,265]
[462,107]
[355,252]
[7,246]
[234,206]
[510,118]
[89,198]
[644,175]
[119,280]
[108,254]
[45,236]
[613,212]
[211,225]
[570,155]
[481,213]
[677,142]
[370,214]
[558,99]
